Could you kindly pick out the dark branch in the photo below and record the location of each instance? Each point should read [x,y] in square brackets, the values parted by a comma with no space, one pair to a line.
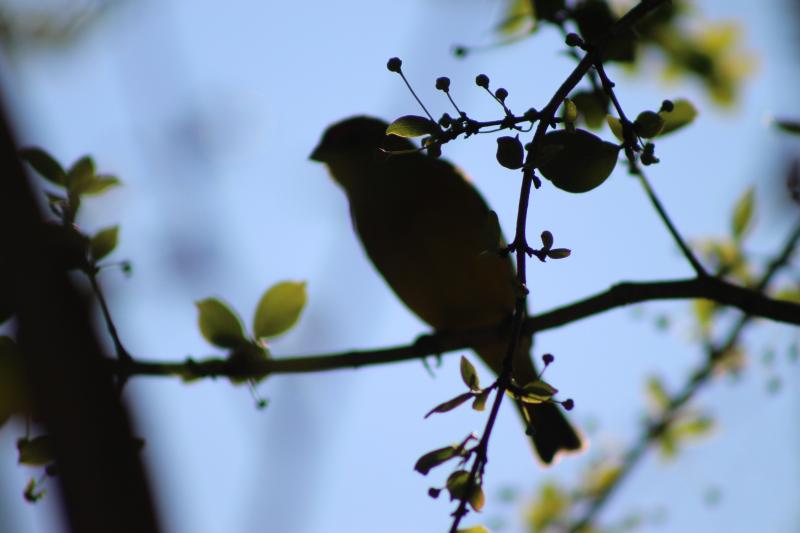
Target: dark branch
[748,301]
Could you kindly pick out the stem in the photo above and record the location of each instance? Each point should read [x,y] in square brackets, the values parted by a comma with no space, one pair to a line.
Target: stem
[748,301]
[697,381]
[122,353]
[630,147]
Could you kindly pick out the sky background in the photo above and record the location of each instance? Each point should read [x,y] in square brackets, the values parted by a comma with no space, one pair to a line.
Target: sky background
[208,112]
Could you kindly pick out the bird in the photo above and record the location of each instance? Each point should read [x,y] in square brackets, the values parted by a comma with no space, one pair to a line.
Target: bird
[423,226]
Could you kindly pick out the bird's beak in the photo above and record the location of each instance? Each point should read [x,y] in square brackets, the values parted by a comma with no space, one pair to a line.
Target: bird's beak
[318,154]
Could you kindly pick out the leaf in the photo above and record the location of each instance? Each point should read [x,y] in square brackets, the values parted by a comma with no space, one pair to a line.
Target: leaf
[743,214]
[789,126]
[615,125]
[519,18]
[80,175]
[219,325]
[537,391]
[683,113]
[547,240]
[648,124]
[103,242]
[435,458]
[480,400]
[469,375]
[449,405]
[697,427]
[99,184]
[657,395]
[476,498]
[790,294]
[549,508]
[457,484]
[559,253]
[33,491]
[584,162]
[601,476]
[704,312]
[592,107]
[279,308]
[474,529]
[44,164]
[35,452]
[569,111]
[412,126]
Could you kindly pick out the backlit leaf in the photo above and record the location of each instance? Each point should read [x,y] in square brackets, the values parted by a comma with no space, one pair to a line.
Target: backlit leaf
[219,324]
[279,308]
[412,126]
[682,114]
[469,375]
[743,214]
[435,458]
[104,242]
[44,164]
[449,405]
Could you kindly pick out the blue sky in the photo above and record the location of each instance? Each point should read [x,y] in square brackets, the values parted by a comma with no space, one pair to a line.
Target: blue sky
[208,115]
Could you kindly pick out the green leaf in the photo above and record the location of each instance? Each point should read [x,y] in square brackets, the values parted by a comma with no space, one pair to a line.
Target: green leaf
[682,114]
[537,391]
[44,164]
[99,184]
[35,452]
[549,508]
[480,400]
[569,111]
[469,375]
[474,529]
[584,161]
[657,395]
[279,308]
[219,324]
[615,125]
[519,18]
[80,175]
[33,491]
[449,405]
[592,107]
[457,484]
[103,242]
[790,294]
[476,498]
[697,427]
[412,126]
[558,253]
[435,458]
[743,214]
[789,126]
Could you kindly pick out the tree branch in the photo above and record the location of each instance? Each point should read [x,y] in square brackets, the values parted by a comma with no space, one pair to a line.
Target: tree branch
[697,380]
[749,301]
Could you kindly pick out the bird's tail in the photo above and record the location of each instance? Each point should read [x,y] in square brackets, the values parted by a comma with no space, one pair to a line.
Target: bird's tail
[546,423]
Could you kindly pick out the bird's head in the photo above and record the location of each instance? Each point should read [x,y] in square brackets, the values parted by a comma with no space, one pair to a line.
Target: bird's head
[352,145]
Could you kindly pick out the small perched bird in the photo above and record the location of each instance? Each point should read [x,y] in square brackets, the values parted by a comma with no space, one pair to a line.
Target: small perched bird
[423,226]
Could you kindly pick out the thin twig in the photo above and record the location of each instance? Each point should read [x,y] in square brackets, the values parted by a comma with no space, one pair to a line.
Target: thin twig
[122,353]
[697,380]
[630,142]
